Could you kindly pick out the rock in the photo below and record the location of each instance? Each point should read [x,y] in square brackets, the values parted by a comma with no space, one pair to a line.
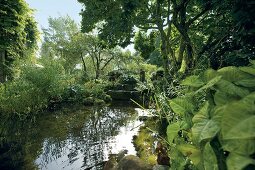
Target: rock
[161,167]
[110,164]
[131,162]
[121,154]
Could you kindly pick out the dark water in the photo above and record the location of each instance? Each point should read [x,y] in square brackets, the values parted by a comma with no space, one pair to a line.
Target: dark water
[77,138]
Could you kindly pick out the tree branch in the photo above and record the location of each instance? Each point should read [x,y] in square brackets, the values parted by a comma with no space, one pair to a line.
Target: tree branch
[197,16]
[148,27]
[107,62]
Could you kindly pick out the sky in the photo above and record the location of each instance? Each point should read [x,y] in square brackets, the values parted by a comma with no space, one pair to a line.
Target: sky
[54,8]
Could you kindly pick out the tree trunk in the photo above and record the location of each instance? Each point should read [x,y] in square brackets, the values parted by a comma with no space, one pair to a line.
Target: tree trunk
[2,67]
[165,52]
[97,70]
[180,20]
[84,64]
[181,52]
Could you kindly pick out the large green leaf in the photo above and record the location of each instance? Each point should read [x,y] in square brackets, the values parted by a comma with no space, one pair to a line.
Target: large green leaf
[238,121]
[217,113]
[253,63]
[209,74]
[181,106]
[209,157]
[221,98]
[211,83]
[193,81]
[240,146]
[246,82]
[249,70]
[232,74]
[172,131]
[244,129]
[202,113]
[238,162]
[178,161]
[191,151]
[231,89]
[204,128]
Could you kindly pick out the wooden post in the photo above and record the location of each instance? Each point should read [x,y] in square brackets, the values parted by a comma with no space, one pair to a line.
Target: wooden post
[142,75]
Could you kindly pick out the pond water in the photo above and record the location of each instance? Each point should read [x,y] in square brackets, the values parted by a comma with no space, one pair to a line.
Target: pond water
[77,138]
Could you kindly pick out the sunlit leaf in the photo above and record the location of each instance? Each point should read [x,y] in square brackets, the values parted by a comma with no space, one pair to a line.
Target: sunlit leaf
[249,70]
[204,128]
[209,75]
[238,121]
[209,157]
[231,89]
[172,131]
[210,83]
[181,106]
[191,151]
[238,162]
[246,82]
[217,113]
[253,63]
[232,74]
[222,98]
[241,146]
[193,81]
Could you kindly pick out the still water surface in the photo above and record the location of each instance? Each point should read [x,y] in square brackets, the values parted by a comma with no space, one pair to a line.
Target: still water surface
[77,138]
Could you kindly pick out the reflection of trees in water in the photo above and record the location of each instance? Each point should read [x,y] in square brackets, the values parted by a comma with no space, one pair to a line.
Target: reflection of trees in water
[88,138]
[98,131]
[66,135]
[13,144]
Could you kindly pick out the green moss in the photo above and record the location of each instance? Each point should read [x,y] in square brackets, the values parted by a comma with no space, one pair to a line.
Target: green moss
[144,143]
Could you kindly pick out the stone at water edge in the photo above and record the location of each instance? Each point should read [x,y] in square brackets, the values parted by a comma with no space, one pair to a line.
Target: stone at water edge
[161,167]
[121,154]
[131,162]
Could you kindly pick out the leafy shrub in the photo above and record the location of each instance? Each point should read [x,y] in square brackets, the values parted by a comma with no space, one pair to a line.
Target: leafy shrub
[21,97]
[212,126]
[33,90]
[95,89]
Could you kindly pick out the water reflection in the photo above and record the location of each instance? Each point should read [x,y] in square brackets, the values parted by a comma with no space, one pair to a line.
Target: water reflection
[90,141]
[78,139]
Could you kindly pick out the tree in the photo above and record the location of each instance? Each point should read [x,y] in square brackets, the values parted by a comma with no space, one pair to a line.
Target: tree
[145,44]
[64,41]
[100,54]
[149,47]
[121,17]
[18,34]
[57,41]
[77,47]
[231,35]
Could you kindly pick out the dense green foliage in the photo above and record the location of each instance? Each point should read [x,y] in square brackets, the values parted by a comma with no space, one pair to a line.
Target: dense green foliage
[33,91]
[18,35]
[212,124]
[191,32]
[197,58]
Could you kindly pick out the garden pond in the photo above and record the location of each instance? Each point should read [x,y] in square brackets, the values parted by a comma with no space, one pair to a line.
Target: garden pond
[70,138]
